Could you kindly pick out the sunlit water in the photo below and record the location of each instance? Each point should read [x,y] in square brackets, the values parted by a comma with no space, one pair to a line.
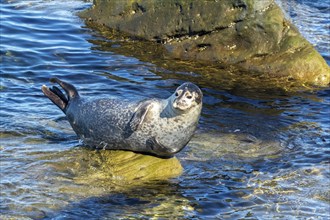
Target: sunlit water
[258,153]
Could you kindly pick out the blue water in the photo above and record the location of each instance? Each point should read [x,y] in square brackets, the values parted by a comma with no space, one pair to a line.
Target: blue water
[259,153]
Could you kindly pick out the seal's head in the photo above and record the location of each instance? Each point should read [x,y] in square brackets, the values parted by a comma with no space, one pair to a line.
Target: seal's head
[187,96]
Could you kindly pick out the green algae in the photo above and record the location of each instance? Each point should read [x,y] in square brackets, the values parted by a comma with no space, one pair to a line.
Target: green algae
[109,170]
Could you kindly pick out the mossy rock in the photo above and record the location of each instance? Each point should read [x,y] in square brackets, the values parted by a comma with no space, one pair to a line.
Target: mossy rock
[123,168]
[251,35]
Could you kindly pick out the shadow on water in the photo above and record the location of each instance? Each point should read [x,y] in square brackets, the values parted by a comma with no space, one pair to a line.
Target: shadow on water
[160,200]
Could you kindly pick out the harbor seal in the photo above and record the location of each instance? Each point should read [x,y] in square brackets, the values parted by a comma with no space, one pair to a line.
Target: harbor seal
[160,127]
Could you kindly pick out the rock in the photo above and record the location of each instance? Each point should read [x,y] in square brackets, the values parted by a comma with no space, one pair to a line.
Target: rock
[122,168]
[249,34]
[207,146]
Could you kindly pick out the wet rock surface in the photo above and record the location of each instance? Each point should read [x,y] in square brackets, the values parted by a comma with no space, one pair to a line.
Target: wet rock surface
[252,35]
[117,169]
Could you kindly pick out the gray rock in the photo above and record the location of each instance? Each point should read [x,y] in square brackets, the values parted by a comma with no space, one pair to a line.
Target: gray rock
[249,34]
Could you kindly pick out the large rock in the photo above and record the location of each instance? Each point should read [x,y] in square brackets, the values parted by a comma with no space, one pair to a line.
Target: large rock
[250,34]
[123,168]
[111,169]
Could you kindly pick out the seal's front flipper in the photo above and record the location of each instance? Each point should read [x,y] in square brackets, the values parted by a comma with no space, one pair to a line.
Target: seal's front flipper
[159,149]
[137,119]
[55,97]
[139,116]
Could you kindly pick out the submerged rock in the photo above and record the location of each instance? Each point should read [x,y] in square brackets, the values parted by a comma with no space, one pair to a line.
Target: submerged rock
[207,146]
[252,35]
[122,169]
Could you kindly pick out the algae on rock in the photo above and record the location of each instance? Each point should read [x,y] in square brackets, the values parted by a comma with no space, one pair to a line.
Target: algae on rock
[124,168]
[111,170]
[251,35]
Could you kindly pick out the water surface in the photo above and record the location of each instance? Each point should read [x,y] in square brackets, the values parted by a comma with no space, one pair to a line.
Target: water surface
[259,152]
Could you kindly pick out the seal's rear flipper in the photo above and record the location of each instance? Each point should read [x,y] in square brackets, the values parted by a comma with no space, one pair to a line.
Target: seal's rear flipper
[69,89]
[54,96]
[59,93]
[57,96]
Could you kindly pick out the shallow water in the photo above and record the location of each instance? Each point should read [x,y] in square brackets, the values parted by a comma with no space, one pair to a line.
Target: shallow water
[259,152]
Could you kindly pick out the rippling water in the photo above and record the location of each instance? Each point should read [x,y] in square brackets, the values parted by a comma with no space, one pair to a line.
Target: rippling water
[259,153]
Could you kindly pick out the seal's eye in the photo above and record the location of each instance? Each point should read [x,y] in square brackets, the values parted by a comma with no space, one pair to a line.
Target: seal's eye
[176,94]
[189,97]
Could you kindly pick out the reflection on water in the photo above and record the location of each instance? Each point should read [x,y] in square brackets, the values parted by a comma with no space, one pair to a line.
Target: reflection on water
[260,151]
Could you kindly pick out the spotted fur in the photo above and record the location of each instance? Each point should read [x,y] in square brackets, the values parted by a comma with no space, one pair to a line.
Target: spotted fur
[161,127]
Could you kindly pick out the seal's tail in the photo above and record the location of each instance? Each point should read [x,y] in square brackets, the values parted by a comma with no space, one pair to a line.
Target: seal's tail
[57,96]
